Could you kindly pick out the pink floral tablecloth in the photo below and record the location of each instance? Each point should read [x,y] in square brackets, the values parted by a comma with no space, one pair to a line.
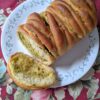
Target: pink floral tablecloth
[87,88]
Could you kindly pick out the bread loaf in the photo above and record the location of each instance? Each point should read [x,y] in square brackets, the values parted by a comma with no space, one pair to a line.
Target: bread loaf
[63,24]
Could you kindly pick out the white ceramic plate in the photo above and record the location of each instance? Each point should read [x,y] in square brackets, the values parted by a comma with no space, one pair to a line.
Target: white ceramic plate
[72,66]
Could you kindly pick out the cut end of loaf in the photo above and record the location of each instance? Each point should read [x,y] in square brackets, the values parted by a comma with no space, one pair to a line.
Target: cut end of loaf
[29,73]
[40,53]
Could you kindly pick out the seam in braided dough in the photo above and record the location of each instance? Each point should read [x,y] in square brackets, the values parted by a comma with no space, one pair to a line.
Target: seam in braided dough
[53,11]
[57,34]
[84,14]
[42,29]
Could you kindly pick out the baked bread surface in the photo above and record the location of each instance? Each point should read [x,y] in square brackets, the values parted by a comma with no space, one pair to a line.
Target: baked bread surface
[63,24]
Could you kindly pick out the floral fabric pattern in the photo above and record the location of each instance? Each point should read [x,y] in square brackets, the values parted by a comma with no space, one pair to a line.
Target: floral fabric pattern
[87,88]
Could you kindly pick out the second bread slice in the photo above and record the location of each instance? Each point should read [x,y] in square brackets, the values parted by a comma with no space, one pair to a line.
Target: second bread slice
[29,73]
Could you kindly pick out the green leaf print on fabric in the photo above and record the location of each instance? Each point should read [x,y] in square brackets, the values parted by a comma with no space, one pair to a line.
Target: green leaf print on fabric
[75,89]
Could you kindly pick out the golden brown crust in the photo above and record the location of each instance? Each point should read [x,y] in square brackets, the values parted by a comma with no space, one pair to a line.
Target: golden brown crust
[82,5]
[81,20]
[55,11]
[40,23]
[45,41]
[92,7]
[67,17]
[42,27]
[72,17]
[85,13]
[57,34]
[42,32]
[34,16]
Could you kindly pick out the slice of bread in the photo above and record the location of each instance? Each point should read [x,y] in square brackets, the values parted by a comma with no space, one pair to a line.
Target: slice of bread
[29,73]
[37,25]
[38,51]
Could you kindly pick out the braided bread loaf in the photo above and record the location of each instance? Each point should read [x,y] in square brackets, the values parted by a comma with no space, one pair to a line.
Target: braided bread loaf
[53,32]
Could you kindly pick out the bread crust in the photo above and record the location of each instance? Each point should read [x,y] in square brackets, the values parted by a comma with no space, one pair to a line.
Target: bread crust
[84,11]
[57,34]
[45,41]
[43,31]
